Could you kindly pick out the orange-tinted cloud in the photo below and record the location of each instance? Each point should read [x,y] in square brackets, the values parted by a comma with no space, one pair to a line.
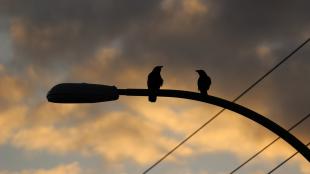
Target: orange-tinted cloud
[10,120]
[115,136]
[72,168]
[12,89]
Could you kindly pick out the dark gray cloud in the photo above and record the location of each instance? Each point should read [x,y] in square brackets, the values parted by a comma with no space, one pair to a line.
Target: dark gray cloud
[230,26]
[223,40]
[75,29]
[53,31]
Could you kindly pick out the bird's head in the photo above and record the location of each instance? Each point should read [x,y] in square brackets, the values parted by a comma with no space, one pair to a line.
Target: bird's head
[201,72]
[157,68]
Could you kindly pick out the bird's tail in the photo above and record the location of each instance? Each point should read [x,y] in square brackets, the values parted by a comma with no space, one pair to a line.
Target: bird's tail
[152,96]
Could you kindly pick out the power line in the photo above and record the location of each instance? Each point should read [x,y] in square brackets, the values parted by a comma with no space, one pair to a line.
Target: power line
[285,161]
[222,110]
[275,140]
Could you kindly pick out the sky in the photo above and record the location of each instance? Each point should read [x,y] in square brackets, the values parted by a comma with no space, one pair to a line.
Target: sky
[116,42]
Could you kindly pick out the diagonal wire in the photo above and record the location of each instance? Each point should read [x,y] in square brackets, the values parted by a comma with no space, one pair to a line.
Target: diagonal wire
[275,140]
[274,169]
[222,110]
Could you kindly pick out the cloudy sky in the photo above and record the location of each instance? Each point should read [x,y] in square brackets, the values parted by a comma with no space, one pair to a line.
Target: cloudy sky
[117,42]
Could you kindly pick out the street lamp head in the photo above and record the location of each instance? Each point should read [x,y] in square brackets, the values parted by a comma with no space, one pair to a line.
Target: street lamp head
[82,93]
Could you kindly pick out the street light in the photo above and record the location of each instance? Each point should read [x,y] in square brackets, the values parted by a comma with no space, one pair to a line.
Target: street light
[92,93]
[82,93]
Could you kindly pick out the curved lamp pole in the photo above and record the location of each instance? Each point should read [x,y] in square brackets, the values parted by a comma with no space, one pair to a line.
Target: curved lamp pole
[93,93]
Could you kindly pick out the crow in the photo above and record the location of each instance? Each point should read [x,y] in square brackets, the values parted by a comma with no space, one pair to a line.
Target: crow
[204,82]
[154,82]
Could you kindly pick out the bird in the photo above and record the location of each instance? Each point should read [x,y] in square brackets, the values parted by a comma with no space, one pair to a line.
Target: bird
[154,82]
[204,82]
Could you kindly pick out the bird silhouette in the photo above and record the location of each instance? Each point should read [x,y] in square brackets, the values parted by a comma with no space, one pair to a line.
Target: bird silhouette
[154,82]
[204,82]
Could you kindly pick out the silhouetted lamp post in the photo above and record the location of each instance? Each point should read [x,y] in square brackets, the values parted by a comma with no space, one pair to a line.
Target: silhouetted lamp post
[93,93]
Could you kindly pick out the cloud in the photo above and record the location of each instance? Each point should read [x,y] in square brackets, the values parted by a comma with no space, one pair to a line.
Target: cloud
[12,89]
[72,168]
[10,120]
[305,167]
[181,12]
[118,43]
[220,136]
[139,127]
[51,114]
[158,32]
[2,68]
[114,136]
[71,30]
